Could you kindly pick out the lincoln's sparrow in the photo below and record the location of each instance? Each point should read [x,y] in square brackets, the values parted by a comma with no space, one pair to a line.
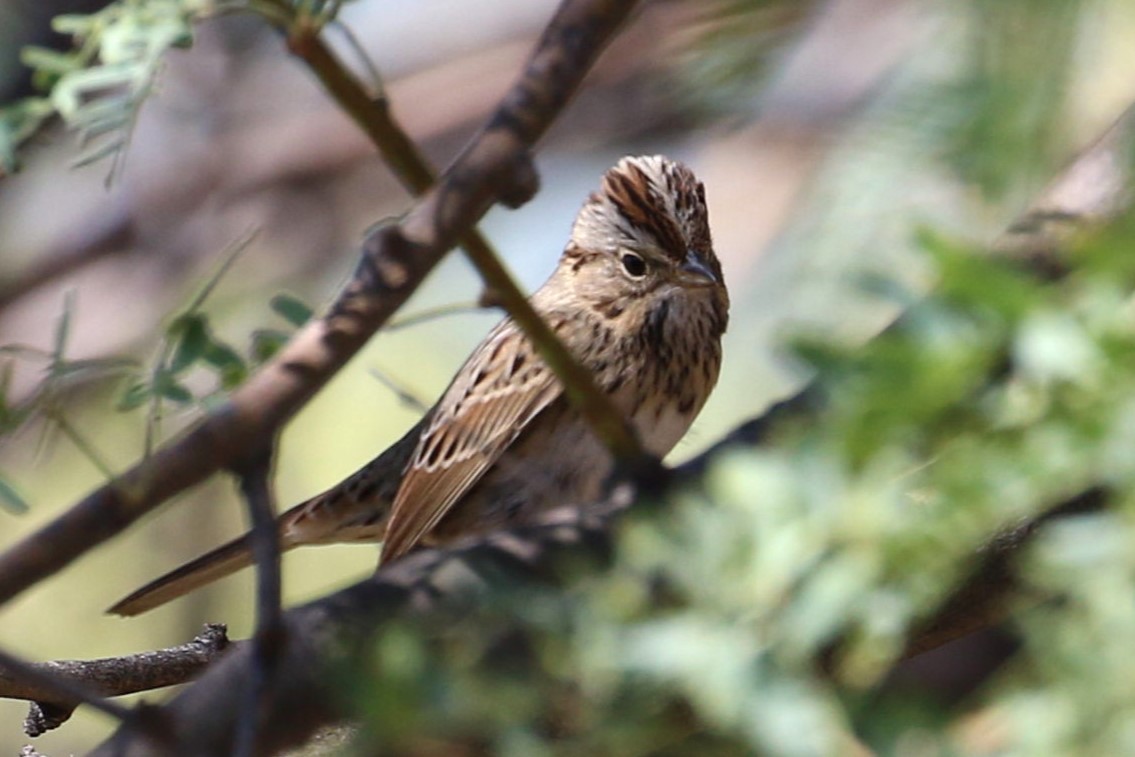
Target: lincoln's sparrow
[637,297]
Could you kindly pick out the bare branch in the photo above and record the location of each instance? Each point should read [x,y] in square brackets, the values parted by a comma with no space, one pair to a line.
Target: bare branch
[495,167]
[56,688]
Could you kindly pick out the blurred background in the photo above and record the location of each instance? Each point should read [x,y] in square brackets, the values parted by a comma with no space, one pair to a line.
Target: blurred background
[827,133]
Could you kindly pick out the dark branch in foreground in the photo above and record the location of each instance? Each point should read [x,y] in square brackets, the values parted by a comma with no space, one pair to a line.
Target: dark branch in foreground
[109,677]
[328,633]
[495,167]
[257,493]
[322,637]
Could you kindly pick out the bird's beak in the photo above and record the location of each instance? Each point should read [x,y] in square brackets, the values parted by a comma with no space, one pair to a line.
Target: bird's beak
[694,271]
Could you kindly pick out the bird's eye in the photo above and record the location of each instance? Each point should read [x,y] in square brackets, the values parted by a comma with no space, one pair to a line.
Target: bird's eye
[633,264]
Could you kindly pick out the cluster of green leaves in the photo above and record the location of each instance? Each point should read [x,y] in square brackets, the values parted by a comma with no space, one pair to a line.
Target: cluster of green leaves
[189,343]
[987,403]
[98,85]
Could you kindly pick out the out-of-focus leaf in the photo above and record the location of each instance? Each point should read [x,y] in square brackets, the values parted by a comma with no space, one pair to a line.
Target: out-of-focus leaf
[63,328]
[291,309]
[94,367]
[168,387]
[10,499]
[46,59]
[191,338]
[228,362]
[266,343]
[136,395]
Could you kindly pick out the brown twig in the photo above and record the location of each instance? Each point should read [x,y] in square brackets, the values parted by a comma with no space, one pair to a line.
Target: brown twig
[56,688]
[494,167]
[373,115]
[56,696]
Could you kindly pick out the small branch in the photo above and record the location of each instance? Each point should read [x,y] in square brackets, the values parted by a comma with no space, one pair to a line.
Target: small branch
[56,696]
[1093,189]
[56,688]
[393,261]
[373,115]
[980,601]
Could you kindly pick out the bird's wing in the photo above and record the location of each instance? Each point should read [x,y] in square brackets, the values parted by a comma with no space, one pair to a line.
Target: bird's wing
[498,391]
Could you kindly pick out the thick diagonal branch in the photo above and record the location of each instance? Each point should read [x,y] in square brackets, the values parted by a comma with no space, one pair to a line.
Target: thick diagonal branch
[494,167]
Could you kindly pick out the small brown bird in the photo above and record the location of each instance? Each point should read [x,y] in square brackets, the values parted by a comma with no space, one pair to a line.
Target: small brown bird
[638,298]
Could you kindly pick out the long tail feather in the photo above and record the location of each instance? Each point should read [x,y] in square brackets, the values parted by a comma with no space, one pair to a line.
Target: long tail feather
[207,568]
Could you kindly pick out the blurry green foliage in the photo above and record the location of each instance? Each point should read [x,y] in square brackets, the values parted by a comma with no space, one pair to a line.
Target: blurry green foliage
[996,72]
[190,343]
[739,42]
[98,85]
[988,402]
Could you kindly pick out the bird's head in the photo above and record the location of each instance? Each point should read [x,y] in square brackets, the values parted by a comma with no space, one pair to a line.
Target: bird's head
[643,238]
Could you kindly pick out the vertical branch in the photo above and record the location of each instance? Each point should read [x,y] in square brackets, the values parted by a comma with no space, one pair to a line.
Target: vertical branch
[268,637]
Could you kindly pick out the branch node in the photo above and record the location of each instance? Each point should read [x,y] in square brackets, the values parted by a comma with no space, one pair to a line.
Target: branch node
[45,716]
[521,182]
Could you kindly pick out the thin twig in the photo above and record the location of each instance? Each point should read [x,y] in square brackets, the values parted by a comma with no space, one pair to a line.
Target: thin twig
[53,689]
[114,676]
[373,115]
[404,395]
[430,314]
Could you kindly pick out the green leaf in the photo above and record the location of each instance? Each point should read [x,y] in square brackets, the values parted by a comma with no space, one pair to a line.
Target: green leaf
[18,121]
[291,309]
[229,364]
[74,24]
[266,343]
[136,395]
[51,61]
[168,387]
[75,90]
[94,367]
[10,499]
[193,339]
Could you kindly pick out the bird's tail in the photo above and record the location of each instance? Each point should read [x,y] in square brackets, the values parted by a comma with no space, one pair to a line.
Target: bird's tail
[353,511]
[209,567]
